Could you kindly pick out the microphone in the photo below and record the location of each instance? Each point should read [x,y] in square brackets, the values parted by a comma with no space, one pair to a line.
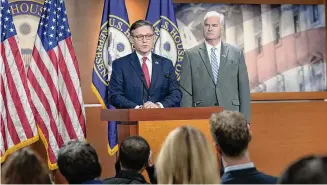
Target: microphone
[195,104]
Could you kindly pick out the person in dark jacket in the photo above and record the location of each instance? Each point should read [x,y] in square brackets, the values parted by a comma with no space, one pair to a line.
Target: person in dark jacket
[232,136]
[78,162]
[135,156]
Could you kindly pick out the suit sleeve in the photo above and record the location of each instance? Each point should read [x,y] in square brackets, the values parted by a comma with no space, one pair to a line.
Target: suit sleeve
[174,96]
[116,89]
[186,82]
[244,89]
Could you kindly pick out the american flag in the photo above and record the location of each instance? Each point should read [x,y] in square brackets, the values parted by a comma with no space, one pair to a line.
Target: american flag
[17,122]
[54,82]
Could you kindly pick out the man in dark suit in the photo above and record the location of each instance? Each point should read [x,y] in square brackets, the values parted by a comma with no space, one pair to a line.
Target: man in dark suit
[143,79]
[232,136]
[134,157]
[214,72]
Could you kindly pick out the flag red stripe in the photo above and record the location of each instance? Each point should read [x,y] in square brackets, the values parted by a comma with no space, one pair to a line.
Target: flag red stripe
[53,58]
[19,62]
[37,88]
[66,119]
[42,126]
[14,93]
[45,73]
[10,125]
[73,55]
[61,104]
[57,97]
[51,86]
[4,134]
[72,91]
[20,66]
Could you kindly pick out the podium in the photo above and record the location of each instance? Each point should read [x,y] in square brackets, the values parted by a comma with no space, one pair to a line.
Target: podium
[155,124]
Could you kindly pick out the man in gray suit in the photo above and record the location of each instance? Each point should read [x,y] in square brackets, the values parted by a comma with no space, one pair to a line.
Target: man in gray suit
[214,72]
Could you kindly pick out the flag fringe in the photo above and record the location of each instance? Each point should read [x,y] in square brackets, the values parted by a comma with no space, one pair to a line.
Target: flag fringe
[112,151]
[19,146]
[52,166]
[97,94]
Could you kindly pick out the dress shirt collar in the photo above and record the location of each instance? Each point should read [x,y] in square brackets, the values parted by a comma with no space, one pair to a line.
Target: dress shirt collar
[149,57]
[239,167]
[209,46]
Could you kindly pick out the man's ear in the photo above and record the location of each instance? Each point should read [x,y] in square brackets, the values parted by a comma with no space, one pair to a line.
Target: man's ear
[131,39]
[218,149]
[250,133]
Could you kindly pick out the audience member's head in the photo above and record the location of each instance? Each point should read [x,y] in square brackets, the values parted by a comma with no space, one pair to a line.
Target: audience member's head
[187,158]
[308,170]
[25,167]
[134,153]
[78,162]
[231,133]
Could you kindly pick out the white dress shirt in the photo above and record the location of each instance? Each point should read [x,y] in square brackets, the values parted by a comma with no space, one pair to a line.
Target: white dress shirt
[217,51]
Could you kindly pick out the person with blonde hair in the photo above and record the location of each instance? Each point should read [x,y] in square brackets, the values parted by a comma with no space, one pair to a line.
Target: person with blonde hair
[187,158]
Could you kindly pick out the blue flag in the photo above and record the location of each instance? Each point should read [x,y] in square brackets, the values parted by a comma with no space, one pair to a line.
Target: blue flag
[113,43]
[168,42]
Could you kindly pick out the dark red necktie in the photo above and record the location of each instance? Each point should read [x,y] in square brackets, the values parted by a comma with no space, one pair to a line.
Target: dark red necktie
[146,72]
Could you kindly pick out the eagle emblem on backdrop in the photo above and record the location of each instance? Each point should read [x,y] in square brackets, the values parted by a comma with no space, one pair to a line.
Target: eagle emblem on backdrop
[113,44]
[26,16]
[168,41]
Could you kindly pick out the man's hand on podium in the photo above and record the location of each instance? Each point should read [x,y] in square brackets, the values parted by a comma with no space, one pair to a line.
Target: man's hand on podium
[151,105]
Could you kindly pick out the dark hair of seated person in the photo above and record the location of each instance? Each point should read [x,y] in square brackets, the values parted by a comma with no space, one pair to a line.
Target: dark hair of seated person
[308,170]
[78,162]
[134,156]
[25,167]
[134,153]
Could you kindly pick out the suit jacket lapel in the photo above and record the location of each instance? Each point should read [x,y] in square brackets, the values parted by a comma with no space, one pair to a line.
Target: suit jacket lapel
[223,59]
[156,68]
[135,62]
[205,59]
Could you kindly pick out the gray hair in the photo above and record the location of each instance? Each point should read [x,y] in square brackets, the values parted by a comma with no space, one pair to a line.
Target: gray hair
[215,14]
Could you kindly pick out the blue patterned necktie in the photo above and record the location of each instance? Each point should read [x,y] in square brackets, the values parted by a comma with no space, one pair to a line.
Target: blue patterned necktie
[214,64]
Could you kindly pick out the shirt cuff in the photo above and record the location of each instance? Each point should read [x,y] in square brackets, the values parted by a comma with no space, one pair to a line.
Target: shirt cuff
[160,105]
[137,107]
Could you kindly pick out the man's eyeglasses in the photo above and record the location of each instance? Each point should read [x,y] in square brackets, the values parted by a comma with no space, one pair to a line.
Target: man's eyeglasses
[141,37]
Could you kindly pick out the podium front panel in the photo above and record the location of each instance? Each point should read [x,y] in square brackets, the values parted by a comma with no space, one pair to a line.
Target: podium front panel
[155,132]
